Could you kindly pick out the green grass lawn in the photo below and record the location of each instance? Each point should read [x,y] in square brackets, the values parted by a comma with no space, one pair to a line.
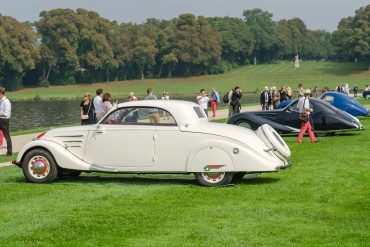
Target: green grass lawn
[249,78]
[323,200]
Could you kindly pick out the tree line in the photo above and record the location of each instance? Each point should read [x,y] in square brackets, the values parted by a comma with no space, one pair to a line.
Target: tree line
[79,46]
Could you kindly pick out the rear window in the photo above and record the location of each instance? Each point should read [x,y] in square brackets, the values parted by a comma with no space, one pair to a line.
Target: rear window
[200,113]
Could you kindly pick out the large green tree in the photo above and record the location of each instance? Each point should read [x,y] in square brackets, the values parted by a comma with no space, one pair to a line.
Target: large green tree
[352,38]
[237,39]
[196,43]
[18,51]
[264,29]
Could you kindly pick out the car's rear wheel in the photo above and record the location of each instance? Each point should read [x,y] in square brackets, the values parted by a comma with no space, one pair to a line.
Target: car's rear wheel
[367,96]
[244,123]
[39,166]
[212,179]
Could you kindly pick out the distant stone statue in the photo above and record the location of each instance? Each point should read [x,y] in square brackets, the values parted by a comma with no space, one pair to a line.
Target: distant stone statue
[296,62]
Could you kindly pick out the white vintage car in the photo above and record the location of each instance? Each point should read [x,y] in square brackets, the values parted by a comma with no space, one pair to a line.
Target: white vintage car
[155,136]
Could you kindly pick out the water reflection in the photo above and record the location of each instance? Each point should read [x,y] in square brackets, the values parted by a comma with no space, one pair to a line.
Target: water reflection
[35,114]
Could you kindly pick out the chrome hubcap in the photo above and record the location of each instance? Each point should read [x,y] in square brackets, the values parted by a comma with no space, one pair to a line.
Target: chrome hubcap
[213,177]
[39,167]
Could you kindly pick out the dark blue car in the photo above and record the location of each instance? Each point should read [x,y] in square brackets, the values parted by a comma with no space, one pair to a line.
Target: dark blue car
[345,103]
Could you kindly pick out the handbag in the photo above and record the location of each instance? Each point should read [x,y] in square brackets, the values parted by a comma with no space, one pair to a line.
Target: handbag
[304,117]
[84,117]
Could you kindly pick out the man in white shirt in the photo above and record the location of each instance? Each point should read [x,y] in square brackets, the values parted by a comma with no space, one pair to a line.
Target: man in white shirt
[203,101]
[305,109]
[98,104]
[5,112]
[265,99]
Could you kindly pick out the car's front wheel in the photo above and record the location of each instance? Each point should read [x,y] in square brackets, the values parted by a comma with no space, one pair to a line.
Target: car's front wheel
[212,179]
[39,166]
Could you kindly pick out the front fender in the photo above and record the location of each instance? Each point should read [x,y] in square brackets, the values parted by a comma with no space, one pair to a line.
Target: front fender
[63,157]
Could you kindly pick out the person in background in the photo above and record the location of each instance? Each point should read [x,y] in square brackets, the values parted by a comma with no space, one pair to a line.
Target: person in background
[314,91]
[355,91]
[235,100]
[283,94]
[305,109]
[1,139]
[165,96]
[367,88]
[98,104]
[325,89]
[229,103]
[275,97]
[203,100]
[289,93]
[215,100]
[133,115]
[346,89]
[300,90]
[265,99]
[5,113]
[150,95]
[87,110]
[131,97]
[107,105]
[153,113]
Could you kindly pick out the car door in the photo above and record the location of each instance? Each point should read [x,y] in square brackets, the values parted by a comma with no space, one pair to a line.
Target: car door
[290,116]
[171,145]
[125,138]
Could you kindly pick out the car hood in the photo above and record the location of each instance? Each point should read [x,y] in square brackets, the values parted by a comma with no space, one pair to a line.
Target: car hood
[237,133]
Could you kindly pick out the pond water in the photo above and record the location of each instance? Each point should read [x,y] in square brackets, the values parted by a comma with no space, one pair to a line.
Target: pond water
[35,114]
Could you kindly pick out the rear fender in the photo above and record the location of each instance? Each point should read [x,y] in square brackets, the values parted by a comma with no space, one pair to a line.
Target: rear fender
[210,156]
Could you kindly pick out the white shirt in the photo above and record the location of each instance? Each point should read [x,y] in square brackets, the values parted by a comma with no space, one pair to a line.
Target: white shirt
[303,103]
[5,107]
[203,102]
[266,97]
[98,104]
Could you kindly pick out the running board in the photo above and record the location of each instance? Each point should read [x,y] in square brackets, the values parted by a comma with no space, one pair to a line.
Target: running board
[97,168]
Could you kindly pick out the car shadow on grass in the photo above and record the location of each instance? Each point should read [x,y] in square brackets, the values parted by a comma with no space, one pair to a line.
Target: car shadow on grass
[128,180]
[258,180]
[143,180]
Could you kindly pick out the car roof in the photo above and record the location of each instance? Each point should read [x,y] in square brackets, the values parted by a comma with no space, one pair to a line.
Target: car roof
[182,111]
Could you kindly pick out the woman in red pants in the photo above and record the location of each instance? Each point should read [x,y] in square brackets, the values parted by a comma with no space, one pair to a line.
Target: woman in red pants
[305,112]
[215,100]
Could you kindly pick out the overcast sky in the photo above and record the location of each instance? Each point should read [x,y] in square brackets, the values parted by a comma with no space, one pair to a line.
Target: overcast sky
[317,14]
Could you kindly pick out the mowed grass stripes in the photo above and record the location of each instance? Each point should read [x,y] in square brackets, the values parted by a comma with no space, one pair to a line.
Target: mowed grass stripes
[250,78]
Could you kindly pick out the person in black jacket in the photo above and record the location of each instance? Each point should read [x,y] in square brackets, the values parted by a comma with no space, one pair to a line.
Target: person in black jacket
[283,94]
[265,99]
[235,100]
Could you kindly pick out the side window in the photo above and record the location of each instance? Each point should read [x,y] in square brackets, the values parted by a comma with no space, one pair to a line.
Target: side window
[294,106]
[200,113]
[329,99]
[140,116]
